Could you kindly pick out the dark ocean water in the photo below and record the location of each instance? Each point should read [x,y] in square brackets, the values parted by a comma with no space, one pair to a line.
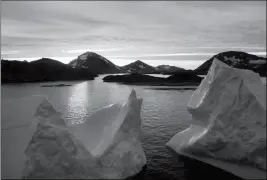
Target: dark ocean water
[163,114]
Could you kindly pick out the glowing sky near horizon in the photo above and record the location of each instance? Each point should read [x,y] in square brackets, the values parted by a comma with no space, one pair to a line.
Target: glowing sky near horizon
[178,33]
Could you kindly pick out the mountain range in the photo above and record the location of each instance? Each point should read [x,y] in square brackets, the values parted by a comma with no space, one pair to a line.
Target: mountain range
[238,59]
[87,65]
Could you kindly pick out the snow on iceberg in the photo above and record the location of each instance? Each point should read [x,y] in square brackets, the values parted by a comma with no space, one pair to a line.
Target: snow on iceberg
[106,146]
[228,122]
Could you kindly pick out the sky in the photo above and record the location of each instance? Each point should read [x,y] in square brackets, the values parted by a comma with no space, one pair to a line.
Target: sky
[180,33]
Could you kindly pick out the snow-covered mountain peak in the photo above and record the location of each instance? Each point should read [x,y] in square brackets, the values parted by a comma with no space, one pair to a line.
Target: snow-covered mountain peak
[139,67]
[138,61]
[95,63]
[88,54]
[83,57]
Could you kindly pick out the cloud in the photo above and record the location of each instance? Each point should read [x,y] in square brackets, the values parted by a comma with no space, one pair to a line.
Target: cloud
[77,51]
[9,52]
[177,54]
[45,28]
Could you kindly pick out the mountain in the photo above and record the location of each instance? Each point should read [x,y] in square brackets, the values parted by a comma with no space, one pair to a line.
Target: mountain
[95,63]
[101,65]
[237,59]
[143,68]
[139,67]
[166,69]
[41,70]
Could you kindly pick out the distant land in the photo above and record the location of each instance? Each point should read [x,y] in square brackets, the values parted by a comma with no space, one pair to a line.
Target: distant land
[42,70]
[182,78]
[89,64]
[239,60]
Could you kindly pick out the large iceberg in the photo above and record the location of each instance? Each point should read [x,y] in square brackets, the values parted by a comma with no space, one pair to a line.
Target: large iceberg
[228,127]
[112,136]
[105,146]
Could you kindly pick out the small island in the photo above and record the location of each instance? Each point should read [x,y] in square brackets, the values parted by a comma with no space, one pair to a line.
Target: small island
[56,85]
[183,78]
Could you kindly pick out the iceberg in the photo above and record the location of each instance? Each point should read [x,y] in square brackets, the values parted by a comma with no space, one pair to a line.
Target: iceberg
[112,136]
[106,146]
[53,151]
[228,127]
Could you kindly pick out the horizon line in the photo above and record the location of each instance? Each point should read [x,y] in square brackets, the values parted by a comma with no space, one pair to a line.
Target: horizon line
[259,53]
[183,63]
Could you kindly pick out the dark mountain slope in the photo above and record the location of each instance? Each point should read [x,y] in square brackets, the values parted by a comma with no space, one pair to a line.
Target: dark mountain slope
[237,59]
[41,70]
